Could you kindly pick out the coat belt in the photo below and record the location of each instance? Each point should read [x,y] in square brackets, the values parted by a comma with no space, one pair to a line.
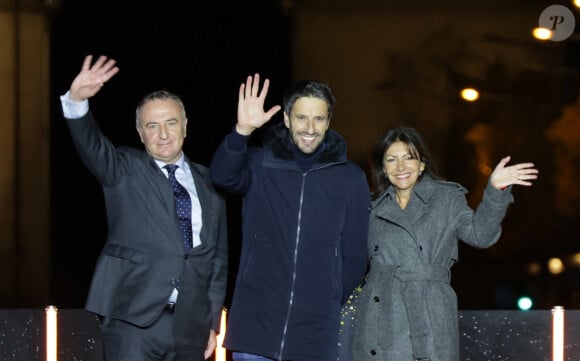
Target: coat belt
[417,315]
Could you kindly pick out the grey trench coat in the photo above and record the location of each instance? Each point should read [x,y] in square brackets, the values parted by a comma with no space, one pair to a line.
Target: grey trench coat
[407,309]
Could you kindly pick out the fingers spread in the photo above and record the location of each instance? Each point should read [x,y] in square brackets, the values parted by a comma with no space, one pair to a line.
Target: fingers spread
[241,92]
[99,63]
[87,62]
[256,85]
[504,161]
[264,90]
[273,111]
[248,87]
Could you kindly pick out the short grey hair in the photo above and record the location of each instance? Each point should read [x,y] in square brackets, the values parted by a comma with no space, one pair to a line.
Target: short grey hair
[158,95]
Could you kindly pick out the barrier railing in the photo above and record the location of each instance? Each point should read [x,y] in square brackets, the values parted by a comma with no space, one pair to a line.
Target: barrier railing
[500,335]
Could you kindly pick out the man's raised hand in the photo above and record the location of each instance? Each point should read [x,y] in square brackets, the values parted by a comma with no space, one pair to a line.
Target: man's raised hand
[92,77]
[251,114]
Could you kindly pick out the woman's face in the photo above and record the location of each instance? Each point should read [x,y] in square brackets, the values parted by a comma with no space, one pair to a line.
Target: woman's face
[401,167]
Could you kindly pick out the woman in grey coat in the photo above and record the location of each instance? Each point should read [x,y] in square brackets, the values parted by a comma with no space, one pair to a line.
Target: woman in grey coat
[407,309]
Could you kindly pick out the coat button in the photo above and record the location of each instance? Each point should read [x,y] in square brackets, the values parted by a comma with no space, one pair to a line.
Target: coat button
[186,256]
[376,248]
[173,282]
[421,248]
[376,299]
[373,352]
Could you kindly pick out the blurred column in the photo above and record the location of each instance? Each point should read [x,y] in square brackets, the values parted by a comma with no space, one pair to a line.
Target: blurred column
[24,152]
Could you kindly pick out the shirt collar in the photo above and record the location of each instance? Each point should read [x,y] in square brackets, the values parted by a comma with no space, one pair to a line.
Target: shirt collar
[180,162]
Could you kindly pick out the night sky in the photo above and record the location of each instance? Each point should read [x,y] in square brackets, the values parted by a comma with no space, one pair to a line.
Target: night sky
[201,51]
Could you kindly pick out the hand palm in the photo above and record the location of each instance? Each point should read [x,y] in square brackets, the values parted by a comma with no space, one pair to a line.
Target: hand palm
[91,78]
[521,174]
[251,114]
[86,84]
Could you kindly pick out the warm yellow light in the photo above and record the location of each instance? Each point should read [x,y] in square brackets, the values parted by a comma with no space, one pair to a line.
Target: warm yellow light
[484,168]
[470,94]
[555,266]
[220,352]
[51,333]
[576,256]
[534,268]
[577,3]
[558,333]
[542,33]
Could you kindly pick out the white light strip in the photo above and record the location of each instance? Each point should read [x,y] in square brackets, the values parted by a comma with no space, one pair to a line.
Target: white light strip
[220,352]
[558,333]
[51,332]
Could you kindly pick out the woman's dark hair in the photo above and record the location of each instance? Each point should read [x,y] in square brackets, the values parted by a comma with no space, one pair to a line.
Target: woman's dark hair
[417,147]
[309,88]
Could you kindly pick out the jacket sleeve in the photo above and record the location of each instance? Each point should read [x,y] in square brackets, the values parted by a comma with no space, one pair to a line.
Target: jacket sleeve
[228,168]
[482,228]
[97,152]
[219,274]
[355,233]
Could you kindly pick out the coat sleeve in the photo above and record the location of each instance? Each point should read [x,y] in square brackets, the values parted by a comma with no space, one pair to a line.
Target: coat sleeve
[228,168]
[482,228]
[355,233]
[97,152]
[219,274]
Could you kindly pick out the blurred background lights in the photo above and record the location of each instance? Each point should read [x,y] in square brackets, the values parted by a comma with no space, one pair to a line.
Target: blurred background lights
[470,94]
[576,256]
[534,267]
[555,266]
[484,168]
[542,33]
[525,303]
[577,3]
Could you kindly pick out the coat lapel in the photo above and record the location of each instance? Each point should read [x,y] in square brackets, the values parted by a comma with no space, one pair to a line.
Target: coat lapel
[161,184]
[162,189]
[416,208]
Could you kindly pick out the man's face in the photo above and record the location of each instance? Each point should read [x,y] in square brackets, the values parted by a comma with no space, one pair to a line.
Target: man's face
[308,122]
[162,129]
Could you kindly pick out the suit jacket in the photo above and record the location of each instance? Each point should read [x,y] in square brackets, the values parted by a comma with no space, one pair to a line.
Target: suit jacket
[143,256]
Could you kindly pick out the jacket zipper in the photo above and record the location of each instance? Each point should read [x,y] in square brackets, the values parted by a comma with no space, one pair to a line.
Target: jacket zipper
[294,270]
[291,300]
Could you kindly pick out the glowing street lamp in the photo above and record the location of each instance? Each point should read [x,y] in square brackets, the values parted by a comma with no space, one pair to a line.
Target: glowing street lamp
[470,94]
[542,33]
[555,265]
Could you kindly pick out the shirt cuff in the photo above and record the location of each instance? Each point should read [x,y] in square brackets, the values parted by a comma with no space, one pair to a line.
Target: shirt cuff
[72,109]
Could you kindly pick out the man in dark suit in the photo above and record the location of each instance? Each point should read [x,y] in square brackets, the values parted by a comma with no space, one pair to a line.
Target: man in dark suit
[160,280]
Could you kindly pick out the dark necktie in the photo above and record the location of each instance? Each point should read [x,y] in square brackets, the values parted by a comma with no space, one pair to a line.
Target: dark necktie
[182,207]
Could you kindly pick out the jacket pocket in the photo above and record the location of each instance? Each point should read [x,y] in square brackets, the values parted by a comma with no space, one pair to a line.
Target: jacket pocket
[124,252]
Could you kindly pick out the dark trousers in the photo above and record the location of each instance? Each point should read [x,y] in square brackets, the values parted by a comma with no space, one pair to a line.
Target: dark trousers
[123,341]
